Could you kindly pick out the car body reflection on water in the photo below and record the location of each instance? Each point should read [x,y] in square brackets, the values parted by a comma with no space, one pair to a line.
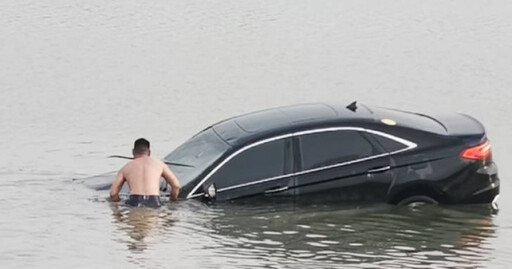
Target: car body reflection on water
[369,236]
[301,235]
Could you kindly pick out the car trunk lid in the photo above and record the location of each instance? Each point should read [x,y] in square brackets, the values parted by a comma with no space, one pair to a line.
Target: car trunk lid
[457,124]
[452,124]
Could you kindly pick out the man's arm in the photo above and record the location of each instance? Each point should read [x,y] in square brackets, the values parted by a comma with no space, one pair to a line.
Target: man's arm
[116,187]
[171,180]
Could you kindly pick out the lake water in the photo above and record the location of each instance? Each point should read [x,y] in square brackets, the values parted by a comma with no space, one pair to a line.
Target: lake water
[80,80]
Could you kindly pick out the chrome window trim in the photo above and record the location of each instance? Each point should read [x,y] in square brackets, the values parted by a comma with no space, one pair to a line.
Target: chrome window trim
[231,157]
[254,182]
[409,145]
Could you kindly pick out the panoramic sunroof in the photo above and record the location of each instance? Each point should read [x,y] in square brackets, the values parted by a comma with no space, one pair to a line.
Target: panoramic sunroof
[304,113]
[263,120]
[272,118]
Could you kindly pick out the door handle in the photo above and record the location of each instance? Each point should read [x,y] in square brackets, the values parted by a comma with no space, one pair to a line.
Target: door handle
[276,190]
[379,170]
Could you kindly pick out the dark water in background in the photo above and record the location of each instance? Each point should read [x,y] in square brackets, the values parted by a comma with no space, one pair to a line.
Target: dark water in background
[81,80]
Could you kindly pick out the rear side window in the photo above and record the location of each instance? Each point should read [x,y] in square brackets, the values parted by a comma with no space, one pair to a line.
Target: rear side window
[389,145]
[328,148]
[260,162]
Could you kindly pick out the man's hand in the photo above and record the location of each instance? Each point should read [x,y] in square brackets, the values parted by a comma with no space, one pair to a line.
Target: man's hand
[116,187]
[172,180]
[114,198]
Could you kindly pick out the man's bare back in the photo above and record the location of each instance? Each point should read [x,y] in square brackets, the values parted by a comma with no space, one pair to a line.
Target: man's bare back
[143,176]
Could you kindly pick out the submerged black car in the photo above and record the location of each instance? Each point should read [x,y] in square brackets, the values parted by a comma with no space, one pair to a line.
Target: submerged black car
[324,152]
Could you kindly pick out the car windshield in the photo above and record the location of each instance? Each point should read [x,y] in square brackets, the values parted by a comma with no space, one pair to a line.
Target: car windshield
[198,153]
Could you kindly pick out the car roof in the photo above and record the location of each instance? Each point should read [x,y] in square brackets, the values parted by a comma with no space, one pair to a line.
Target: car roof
[257,125]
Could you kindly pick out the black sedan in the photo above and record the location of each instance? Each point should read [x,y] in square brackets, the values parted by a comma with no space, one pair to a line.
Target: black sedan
[338,153]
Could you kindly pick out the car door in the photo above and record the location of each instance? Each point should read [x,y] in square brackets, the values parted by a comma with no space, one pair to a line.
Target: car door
[262,168]
[341,164]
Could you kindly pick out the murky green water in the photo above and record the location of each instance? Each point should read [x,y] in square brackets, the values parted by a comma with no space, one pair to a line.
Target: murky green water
[80,80]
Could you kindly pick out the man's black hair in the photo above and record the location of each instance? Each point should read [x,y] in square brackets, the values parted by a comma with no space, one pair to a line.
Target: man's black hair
[141,145]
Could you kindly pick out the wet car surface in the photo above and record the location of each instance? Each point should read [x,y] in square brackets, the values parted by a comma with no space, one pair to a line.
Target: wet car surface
[338,153]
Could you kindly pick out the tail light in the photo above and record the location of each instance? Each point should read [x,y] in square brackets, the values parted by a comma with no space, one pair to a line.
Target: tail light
[480,152]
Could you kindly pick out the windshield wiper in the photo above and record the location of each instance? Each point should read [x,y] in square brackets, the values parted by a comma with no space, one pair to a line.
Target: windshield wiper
[131,158]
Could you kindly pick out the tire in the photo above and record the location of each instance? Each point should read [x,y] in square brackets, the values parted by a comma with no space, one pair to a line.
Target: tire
[418,200]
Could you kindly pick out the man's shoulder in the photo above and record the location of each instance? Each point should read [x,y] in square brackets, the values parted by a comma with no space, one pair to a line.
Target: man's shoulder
[128,165]
[157,161]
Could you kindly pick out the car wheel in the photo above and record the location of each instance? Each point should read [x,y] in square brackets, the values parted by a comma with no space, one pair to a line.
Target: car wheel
[418,200]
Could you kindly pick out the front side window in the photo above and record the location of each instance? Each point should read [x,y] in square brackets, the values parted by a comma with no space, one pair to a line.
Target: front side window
[328,148]
[260,162]
[199,152]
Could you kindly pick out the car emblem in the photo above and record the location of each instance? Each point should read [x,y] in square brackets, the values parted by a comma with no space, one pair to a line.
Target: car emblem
[389,122]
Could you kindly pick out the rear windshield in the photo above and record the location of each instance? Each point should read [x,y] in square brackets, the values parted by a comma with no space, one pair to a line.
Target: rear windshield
[200,152]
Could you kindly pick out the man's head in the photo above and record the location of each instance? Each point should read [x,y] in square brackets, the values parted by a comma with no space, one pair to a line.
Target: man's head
[141,147]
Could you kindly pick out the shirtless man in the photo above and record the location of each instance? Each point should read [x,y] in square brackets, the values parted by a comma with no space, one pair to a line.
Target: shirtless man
[143,178]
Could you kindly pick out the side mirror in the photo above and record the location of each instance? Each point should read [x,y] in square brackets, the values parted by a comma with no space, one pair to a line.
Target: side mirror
[210,191]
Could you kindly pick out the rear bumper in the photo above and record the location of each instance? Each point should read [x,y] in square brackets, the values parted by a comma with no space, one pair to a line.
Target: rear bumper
[487,186]
[485,195]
